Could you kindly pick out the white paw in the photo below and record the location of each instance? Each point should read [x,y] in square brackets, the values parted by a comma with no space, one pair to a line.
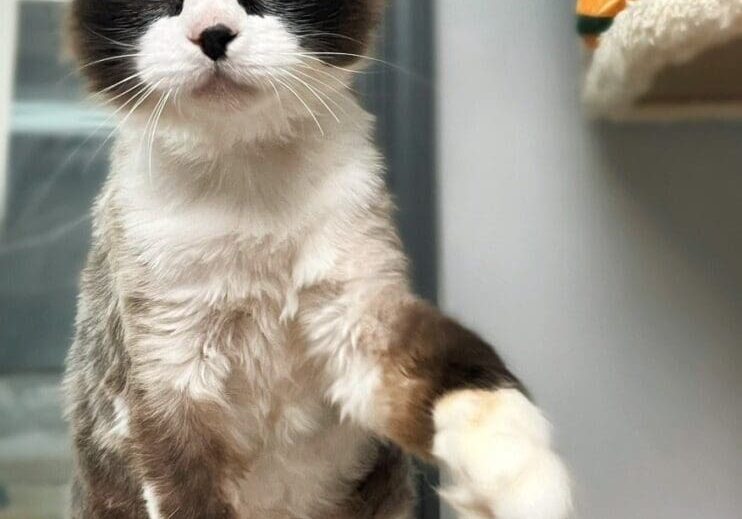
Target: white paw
[496,446]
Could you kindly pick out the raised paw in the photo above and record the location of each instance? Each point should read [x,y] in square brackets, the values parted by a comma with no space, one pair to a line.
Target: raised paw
[496,445]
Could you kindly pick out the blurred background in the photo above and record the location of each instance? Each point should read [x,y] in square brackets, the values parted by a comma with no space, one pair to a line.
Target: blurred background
[604,260]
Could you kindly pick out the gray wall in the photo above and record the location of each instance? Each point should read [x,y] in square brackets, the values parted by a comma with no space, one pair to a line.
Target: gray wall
[605,261]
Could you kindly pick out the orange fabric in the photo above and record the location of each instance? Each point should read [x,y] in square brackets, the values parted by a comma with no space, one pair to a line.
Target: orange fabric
[600,8]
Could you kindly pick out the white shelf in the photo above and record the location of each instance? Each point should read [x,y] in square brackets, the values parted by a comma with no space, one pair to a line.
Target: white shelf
[58,118]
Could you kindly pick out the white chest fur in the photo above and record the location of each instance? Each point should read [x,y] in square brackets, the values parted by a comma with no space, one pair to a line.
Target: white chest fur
[222,250]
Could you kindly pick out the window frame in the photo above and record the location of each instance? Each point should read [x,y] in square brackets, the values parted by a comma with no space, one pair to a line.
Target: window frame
[8,23]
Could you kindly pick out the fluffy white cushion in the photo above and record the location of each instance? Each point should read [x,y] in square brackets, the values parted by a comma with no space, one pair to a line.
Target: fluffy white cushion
[648,36]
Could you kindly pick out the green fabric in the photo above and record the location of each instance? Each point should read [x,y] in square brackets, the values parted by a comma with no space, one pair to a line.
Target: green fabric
[591,26]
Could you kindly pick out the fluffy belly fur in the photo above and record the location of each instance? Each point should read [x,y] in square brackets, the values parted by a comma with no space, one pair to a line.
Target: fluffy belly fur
[220,353]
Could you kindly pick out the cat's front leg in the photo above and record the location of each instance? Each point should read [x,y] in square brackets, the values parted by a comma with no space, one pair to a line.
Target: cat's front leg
[421,380]
[183,459]
[179,409]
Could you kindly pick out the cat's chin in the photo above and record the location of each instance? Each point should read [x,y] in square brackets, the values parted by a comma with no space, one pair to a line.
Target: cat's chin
[220,88]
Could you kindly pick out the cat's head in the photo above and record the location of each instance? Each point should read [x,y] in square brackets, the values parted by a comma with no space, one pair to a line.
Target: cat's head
[208,52]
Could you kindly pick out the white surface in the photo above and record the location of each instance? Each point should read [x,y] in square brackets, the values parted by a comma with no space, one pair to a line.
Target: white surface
[7,54]
[605,261]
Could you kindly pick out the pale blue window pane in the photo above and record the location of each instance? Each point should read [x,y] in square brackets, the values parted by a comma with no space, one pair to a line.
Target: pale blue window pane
[56,165]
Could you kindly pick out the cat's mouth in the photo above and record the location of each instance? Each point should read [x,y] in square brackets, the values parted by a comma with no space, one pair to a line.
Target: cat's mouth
[218,85]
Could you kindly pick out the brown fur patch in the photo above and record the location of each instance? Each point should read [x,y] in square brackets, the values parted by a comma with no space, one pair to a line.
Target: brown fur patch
[385,492]
[103,487]
[428,356]
[181,454]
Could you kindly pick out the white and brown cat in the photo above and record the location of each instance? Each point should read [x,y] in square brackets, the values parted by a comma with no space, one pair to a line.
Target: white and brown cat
[248,346]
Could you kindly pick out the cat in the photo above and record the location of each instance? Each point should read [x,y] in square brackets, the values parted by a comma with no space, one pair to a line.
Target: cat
[247,342]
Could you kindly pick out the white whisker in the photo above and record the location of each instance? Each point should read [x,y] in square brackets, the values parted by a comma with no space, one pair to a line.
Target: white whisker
[331,34]
[148,135]
[278,98]
[116,42]
[314,93]
[117,84]
[41,194]
[301,100]
[323,62]
[162,107]
[43,238]
[325,73]
[343,95]
[113,132]
[110,58]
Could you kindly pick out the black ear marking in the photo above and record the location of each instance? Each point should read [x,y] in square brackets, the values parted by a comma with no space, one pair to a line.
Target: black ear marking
[105,33]
[338,30]
[254,7]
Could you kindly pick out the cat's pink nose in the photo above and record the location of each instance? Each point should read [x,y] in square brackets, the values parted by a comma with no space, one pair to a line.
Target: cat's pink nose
[214,41]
